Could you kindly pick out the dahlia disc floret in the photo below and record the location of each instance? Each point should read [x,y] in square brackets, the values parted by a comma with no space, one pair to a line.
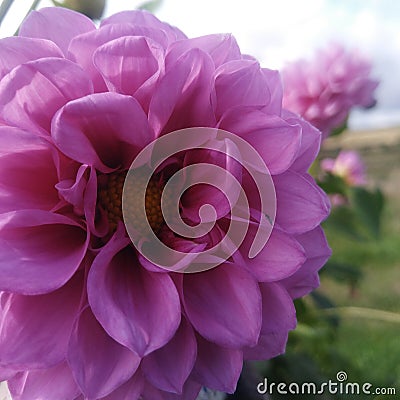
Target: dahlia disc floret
[84,314]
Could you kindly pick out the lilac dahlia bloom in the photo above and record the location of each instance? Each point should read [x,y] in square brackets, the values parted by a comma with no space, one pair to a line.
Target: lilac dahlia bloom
[323,90]
[348,165]
[83,316]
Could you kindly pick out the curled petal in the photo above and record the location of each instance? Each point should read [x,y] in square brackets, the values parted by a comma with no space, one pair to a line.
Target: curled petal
[47,23]
[103,130]
[130,65]
[217,189]
[27,172]
[83,47]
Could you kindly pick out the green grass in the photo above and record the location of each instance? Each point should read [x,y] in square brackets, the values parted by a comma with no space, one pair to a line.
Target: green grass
[372,343]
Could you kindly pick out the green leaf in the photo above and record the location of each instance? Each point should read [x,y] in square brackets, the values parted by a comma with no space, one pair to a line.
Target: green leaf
[343,272]
[369,206]
[333,184]
[344,220]
[324,302]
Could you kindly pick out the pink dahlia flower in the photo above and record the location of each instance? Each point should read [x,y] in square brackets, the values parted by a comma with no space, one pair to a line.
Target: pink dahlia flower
[348,165]
[323,90]
[83,314]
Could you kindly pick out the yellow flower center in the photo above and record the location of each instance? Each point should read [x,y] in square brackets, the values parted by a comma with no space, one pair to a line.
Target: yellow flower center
[110,199]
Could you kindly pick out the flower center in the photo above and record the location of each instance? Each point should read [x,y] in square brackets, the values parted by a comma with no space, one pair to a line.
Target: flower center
[110,199]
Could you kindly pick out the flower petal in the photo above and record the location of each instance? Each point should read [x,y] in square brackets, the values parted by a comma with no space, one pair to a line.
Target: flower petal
[187,86]
[310,142]
[240,83]
[281,257]
[276,88]
[7,373]
[301,204]
[221,47]
[103,130]
[48,23]
[99,364]
[39,251]
[83,47]
[224,305]
[18,50]
[277,141]
[218,189]
[317,253]
[126,63]
[34,330]
[169,367]
[31,93]
[269,345]
[279,313]
[279,316]
[144,313]
[52,383]
[130,65]
[27,172]
[130,390]
[217,367]
[144,19]
[190,391]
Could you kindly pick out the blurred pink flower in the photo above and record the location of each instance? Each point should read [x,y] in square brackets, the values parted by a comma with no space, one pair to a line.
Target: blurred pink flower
[82,314]
[323,90]
[348,165]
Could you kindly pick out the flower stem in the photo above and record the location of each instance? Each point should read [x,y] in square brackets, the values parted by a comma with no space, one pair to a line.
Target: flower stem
[31,8]
[366,313]
[4,7]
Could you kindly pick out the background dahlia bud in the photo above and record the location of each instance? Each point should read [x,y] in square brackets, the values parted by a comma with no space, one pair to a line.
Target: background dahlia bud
[92,8]
[348,165]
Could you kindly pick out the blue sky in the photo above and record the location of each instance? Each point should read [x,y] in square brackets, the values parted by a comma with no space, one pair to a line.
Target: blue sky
[279,31]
